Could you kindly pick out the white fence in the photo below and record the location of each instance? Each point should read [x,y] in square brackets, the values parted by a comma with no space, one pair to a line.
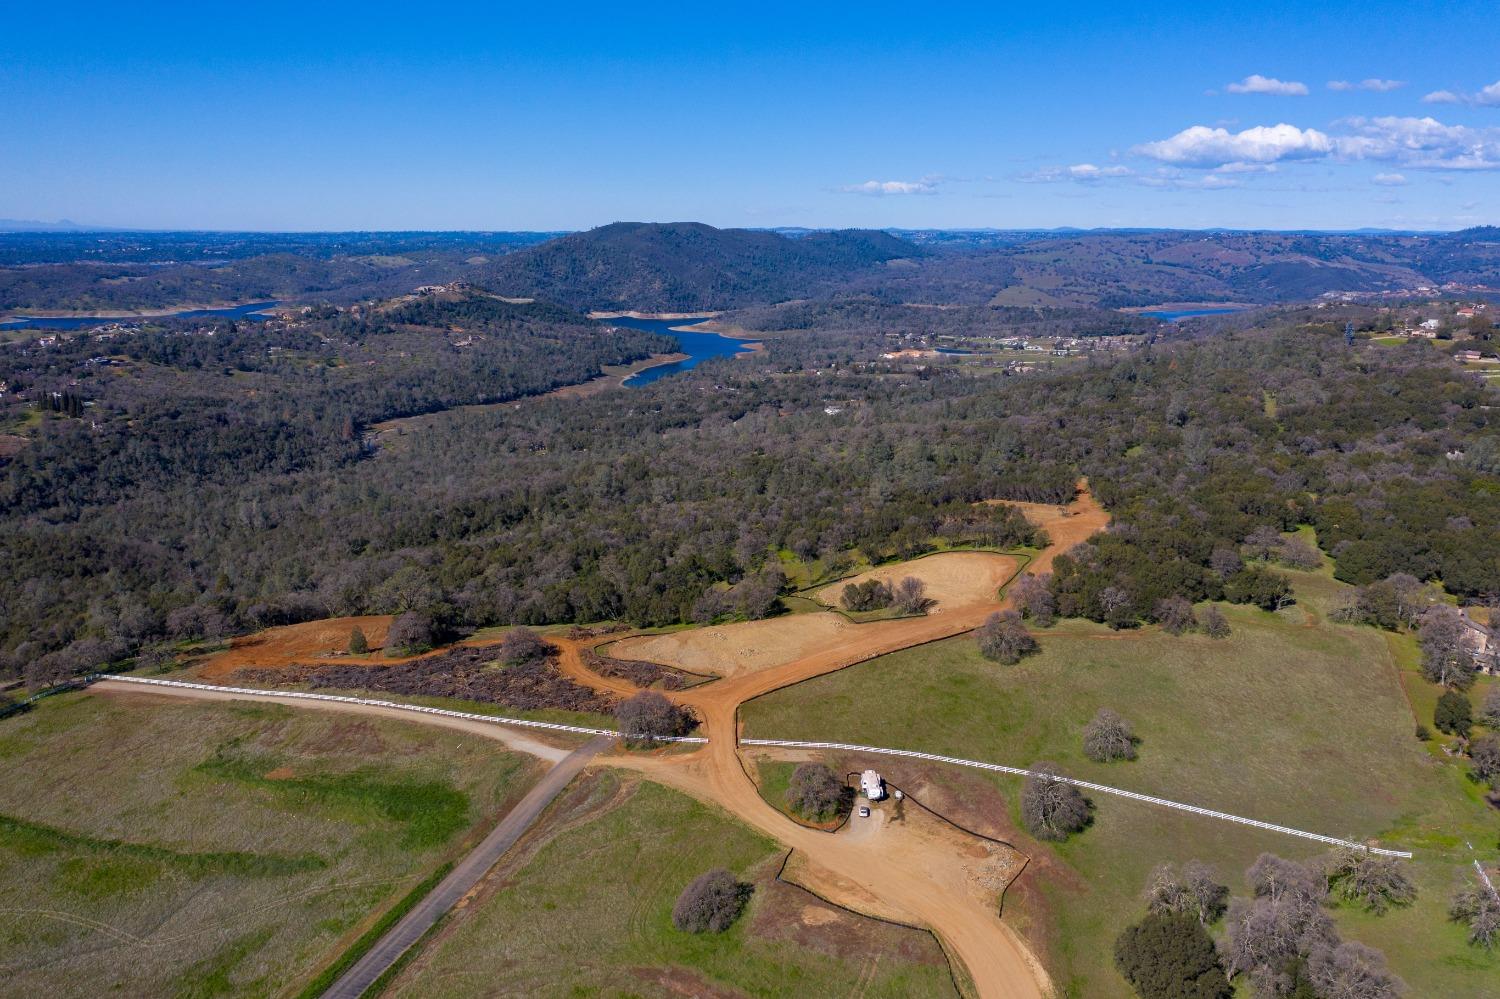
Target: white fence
[581,730]
[1103,789]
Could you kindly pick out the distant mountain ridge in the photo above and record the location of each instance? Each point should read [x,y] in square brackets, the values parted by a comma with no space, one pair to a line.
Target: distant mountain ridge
[683,266]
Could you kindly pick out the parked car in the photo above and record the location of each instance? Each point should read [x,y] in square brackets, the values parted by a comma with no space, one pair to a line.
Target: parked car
[864,811]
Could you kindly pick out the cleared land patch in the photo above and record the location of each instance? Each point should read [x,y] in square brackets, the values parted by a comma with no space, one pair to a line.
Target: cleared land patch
[156,847]
[951,578]
[589,912]
[1296,722]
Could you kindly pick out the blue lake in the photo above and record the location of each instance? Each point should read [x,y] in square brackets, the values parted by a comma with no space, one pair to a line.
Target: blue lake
[698,346]
[1171,316]
[248,311]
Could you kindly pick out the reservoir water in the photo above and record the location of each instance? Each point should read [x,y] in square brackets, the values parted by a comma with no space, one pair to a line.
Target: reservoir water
[1173,315]
[248,311]
[699,346]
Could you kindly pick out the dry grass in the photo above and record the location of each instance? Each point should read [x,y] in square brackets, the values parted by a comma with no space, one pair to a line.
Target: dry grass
[165,847]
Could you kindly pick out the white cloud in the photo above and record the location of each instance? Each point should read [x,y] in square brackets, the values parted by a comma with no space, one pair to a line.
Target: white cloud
[1257,84]
[1201,146]
[1487,97]
[1373,83]
[1388,180]
[879,188]
[1083,173]
[1420,143]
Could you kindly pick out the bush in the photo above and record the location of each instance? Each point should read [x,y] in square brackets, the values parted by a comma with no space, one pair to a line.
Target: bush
[816,792]
[410,633]
[711,903]
[358,644]
[1453,714]
[648,716]
[1108,738]
[521,646]
[872,594]
[1171,957]
[1003,639]
[1051,808]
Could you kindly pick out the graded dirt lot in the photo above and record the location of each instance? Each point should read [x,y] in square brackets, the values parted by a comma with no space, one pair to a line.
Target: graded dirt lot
[953,579]
[736,649]
[293,644]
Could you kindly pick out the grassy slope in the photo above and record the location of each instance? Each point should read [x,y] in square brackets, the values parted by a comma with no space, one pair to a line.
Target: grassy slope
[1290,720]
[590,915]
[173,865]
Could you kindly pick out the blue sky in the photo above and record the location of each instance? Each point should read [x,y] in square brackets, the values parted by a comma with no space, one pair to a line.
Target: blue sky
[451,116]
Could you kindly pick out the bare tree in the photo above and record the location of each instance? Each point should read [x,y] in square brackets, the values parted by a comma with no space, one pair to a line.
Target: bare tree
[1485,754]
[1225,562]
[1377,883]
[1263,542]
[1214,623]
[1051,808]
[1194,891]
[711,903]
[816,792]
[649,716]
[1447,656]
[411,632]
[1351,971]
[1489,713]
[1478,907]
[1004,639]
[909,596]
[1176,615]
[521,646]
[1298,554]
[1034,597]
[1108,737]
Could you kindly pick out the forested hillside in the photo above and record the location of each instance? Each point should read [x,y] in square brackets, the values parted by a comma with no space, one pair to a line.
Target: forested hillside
[689,266]
[203,507]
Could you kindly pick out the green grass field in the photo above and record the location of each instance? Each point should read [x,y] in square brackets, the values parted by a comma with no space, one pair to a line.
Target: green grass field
[168,848]
[589,914]
[1291,720]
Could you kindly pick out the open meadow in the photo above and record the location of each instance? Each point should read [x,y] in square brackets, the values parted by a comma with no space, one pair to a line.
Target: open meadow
[1290,720]
[584,908]
[150,846]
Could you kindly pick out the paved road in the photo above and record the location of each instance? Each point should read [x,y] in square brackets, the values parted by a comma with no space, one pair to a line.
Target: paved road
[464,877]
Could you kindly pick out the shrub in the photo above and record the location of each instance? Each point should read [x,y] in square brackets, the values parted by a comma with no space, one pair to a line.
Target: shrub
[1051,808]
[521,646]
[1108,738]
[1453,714]
[358,644]
[711,903]
[1003,639]
[872,594]
[816,792]
[1171,957]
[410,633]
[648,716]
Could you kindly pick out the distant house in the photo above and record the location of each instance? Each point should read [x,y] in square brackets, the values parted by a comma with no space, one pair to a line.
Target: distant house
[1469,356]
[1486,654]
